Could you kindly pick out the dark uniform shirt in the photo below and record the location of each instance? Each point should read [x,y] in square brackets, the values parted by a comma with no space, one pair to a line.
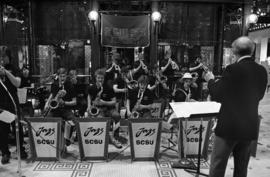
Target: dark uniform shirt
[107,94]
[6,102]
[140,72]
[121,84]
[162,92]
[68,87]
[25,82]
[169,72]
[110,76]
[181,93]
[147,99]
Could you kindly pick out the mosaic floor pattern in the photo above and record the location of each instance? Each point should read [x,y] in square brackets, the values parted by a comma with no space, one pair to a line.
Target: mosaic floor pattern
[102,169]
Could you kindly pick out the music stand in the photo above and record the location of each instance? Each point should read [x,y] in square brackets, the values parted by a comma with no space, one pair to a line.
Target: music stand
[193,110]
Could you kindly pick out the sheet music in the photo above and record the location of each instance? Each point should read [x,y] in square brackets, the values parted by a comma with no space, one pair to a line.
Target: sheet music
[185,109]
[6,116]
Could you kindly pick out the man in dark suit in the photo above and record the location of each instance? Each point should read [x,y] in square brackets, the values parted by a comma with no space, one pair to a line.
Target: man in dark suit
[239,91]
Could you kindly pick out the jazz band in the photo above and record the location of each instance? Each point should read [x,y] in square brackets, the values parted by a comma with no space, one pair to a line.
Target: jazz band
[115,88]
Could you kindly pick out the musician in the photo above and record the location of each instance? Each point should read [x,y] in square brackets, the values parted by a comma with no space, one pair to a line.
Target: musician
[140,68]
[25,77]
[65,101]
[102,96]
[185,89]
[197,67]
[120,87]
[26,82]
[114,69]
[10,80]
[158,85]
[140,99]
[168,67]
[239,91]
[80,92]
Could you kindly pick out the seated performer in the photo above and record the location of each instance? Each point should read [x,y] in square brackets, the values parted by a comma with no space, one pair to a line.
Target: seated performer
[140,100]
[120,87]
[185,89]
[158,85]
[101,103]
[80,92]
[61,101]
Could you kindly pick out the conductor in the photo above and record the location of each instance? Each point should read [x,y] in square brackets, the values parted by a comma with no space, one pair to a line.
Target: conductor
[239,91]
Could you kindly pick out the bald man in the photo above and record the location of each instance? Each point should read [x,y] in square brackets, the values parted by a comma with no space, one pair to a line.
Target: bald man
[239,91]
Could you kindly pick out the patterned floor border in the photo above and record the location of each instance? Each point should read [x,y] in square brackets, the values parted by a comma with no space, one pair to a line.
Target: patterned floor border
[79,169]
[164,169]
[83,169]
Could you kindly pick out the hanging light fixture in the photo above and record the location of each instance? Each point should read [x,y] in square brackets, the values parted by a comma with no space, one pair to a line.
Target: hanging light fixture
[93,15]
[252,18]
[156,16]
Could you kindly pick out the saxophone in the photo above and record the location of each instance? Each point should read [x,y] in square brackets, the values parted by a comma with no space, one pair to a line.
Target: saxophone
[94,111]
[135,114]
[54,102]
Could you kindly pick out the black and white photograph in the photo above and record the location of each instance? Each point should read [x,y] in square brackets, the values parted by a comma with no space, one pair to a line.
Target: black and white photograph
[134,88]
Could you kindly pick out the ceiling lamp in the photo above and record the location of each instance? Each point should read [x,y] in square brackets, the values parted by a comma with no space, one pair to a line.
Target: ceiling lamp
[156,16]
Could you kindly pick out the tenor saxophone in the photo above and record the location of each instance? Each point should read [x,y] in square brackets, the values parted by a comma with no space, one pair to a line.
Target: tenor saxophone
[135,114]
[94,111]
[54,102]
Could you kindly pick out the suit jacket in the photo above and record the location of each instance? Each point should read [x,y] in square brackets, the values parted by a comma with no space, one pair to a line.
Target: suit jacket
[239,91]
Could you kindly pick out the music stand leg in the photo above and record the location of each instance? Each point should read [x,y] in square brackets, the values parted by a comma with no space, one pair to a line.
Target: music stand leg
[183,163]
[198,172]
[170,141]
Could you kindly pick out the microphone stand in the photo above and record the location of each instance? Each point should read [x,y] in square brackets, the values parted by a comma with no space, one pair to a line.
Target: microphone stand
[16,127]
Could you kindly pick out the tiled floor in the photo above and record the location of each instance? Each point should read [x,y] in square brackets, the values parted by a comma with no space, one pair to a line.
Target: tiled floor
[120,165]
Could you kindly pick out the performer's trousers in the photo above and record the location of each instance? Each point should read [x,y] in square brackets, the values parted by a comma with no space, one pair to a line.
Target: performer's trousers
[4,132]
[222,149]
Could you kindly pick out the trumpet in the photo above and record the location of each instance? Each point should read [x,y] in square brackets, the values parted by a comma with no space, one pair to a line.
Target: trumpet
[174,65]
[117,67]
[94,111]
[144,67]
